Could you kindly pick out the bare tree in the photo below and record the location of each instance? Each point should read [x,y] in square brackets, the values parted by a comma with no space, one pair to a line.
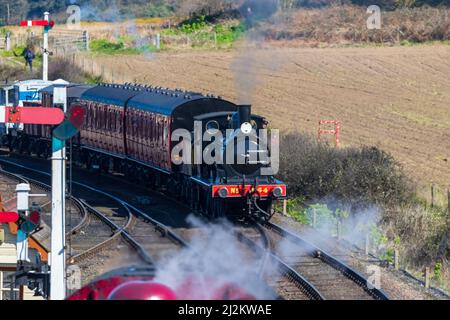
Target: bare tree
[210,7]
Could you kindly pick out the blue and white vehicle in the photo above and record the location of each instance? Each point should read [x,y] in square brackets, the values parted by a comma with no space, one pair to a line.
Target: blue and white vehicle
[21,93]
[27,93]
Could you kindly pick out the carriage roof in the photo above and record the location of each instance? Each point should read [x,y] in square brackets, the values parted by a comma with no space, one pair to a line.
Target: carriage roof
[155,99]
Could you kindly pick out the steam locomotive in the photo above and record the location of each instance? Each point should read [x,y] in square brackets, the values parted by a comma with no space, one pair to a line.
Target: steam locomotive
[131,129]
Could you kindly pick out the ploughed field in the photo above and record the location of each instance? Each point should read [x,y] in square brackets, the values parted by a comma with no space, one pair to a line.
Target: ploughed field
[395,97]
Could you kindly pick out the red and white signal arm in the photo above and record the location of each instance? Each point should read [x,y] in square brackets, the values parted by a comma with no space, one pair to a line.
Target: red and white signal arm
[31,115]
[36,23]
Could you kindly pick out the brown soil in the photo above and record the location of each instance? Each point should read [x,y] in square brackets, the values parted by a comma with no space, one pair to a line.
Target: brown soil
[394,97]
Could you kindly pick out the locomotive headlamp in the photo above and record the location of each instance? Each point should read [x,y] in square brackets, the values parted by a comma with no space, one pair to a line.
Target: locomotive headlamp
[223,192]
[246,128]
[277,192]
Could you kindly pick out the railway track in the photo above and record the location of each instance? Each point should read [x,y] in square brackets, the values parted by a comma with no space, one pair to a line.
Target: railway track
[330,276]
[102,226]
[38,187]
[285,281]
[310,273]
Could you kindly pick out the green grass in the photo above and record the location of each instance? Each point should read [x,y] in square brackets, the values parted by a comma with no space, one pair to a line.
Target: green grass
[104,46]
[91,79]
[15,56]
[204,34]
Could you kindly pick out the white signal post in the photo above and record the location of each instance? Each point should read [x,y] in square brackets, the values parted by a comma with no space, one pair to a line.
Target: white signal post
[46,52]
[58,240]
[47,24]
[23,194]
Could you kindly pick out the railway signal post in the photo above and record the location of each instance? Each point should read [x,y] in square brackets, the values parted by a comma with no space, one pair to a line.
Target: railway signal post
[68,129]
[58,241]
[47,24]
[45,47]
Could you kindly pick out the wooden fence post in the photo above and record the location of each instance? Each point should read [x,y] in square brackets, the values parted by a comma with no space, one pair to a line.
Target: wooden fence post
[367,244]
[396,259]
[158,41]
[8,41]
[338,226]
[433,195]
[427,277]
[314,220]
[285,207]
[448,202]
[86,40]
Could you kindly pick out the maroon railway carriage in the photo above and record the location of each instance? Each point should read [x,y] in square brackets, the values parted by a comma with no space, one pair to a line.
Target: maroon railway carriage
[36,139]
[128,129]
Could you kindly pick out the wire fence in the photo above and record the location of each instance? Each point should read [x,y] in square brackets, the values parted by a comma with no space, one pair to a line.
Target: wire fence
[61,40]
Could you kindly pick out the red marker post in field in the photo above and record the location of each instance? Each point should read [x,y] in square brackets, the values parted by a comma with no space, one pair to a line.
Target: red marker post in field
[6,217]
[31,115]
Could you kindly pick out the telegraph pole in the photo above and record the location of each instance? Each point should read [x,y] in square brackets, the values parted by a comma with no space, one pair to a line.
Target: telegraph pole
[46,52]
[58,242]
[7,14]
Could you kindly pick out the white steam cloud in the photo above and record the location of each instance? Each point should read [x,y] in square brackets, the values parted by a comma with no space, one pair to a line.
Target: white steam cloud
[212,262]
[250,59]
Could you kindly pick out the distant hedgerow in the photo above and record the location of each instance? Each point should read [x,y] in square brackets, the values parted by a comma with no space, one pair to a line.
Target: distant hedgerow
[358,176]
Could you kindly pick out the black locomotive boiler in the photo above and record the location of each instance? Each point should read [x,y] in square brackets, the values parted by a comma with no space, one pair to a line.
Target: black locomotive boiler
[129,129]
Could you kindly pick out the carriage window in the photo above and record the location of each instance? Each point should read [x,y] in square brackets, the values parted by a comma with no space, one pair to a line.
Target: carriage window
[166,132]
[89,117]
[130,123]
[147,127]
[119,121]
[112,123]
[138,125]
[105,117]
[115,115]
[11,96]
[135,124]
[100,117]
[159,130]
[155,128]
[92,116]
[142,125]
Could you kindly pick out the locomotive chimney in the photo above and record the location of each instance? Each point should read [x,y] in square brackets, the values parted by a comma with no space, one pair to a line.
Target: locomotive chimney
[245,112]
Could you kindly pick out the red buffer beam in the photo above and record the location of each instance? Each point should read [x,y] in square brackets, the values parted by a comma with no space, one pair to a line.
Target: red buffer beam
[31,115]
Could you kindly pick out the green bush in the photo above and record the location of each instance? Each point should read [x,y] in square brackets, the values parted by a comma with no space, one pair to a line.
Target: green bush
[193,25]
[357,176]
[158,10]
[226,35]
[105,46]
[4,31]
